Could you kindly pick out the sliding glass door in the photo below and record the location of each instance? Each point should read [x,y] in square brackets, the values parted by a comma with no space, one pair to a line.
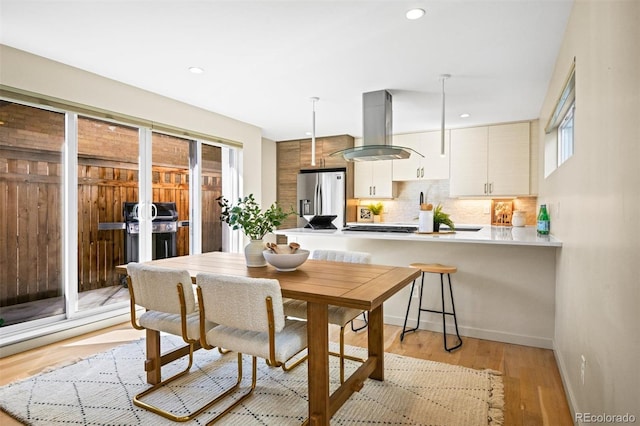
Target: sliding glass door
[211,185]
[31,179]
[107,166]
[66,182]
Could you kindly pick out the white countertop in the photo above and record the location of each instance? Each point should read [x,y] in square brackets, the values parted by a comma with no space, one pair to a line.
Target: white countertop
[506,235]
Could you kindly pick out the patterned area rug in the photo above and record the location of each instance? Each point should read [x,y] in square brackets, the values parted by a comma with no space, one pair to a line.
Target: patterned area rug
[98,391]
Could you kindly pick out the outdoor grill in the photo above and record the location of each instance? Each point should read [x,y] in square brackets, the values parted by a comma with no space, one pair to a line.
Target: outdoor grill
[164,230]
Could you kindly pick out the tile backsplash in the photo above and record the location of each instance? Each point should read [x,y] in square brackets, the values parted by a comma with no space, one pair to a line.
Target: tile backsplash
[405,207]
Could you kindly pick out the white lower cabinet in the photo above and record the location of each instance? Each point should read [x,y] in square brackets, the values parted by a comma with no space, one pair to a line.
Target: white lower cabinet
[373,179]
[490,161]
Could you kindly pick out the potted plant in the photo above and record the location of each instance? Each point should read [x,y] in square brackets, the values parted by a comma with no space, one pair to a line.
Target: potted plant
[254,222]
[376,211]
[441,217]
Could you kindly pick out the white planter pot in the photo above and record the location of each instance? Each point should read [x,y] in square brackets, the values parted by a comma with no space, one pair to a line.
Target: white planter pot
[253,254]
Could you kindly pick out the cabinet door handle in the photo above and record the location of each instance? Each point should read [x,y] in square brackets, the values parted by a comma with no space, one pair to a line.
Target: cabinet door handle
[418,172]
[370,190]
[374,190]
[422,172]
[485,188]
[491,188]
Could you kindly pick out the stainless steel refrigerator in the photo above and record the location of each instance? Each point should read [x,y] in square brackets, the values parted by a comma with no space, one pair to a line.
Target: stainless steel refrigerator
[322,199]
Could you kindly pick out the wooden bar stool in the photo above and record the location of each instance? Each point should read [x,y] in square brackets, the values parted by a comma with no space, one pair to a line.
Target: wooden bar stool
[434,268]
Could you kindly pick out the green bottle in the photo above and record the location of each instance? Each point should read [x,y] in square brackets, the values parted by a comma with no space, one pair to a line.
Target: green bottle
[543,220]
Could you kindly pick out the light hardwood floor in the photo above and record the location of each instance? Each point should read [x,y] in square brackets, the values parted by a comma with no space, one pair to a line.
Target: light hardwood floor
[534,394]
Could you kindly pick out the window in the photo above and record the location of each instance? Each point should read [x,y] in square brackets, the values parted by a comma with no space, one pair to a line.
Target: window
[559,140]
[565,136]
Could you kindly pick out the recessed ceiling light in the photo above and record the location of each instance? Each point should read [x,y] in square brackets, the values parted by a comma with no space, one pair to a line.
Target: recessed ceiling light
[196,70]
[415,14]
[465,115]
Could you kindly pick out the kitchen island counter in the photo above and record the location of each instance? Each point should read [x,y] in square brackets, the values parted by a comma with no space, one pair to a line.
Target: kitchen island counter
[525,236]
[504,288]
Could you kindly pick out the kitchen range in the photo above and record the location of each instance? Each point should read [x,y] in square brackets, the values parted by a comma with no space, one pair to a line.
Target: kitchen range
[380,228]
[403,229]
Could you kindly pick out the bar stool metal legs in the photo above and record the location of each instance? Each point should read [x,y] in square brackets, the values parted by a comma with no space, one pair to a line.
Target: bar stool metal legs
[404,327]
[441,270]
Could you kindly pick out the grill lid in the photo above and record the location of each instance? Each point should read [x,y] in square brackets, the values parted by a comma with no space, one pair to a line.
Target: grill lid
[165,212]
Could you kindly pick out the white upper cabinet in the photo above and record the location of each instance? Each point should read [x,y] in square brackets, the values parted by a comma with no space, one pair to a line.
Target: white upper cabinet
[490,161]
[469,151]
[508,167]
[373,179]
[431,166]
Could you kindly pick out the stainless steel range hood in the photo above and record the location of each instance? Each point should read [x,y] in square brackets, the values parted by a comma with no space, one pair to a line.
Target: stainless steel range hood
[377,132]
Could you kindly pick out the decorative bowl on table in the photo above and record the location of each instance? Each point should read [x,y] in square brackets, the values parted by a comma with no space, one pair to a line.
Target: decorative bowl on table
[284,260]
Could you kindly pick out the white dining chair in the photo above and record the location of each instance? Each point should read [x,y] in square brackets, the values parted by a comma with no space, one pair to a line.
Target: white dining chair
[250,320]
[338,315]
[168,297]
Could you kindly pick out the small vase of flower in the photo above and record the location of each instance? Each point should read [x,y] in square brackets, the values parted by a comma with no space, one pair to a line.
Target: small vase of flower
[440,217]
[254,222]
[376,211]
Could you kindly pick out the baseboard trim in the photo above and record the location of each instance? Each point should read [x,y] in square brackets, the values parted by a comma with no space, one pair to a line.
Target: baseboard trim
[495,335]
[568,391]
[60,331]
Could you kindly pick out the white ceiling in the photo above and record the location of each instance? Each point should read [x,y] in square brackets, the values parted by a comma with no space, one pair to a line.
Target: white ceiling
[263,60]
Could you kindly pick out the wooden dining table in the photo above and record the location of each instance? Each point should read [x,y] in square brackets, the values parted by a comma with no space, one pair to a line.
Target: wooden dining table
[319,283]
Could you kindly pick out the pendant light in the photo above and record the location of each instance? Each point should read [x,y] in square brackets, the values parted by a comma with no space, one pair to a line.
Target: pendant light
[313,129]
[443,77]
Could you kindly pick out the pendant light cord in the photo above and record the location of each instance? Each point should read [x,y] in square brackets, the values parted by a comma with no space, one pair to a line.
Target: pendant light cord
[313,130]
[443,77]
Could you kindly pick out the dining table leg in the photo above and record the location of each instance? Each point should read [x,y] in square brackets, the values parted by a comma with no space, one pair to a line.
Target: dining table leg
[376,341]
[318,363]
[153,363]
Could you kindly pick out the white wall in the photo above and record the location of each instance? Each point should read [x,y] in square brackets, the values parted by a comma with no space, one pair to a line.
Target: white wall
[269,172]
[22,70]
[595,201]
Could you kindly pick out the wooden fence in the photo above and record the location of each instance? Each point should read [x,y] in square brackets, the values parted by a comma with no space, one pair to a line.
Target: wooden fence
[31,210]
[30,226]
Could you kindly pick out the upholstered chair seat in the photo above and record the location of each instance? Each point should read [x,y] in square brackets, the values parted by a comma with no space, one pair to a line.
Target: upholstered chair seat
[171,323]
[337,315]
